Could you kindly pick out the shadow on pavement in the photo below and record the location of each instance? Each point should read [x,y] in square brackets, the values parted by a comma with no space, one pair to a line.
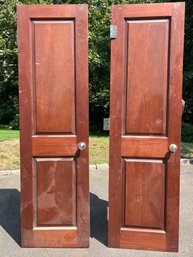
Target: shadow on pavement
[10,215]
[98,219]
[10,212]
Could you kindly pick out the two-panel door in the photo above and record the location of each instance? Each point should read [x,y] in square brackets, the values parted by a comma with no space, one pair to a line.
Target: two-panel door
[145,111]
[53,94]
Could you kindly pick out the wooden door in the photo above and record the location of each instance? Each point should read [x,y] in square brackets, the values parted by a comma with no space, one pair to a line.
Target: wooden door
[53,92]
[145,111]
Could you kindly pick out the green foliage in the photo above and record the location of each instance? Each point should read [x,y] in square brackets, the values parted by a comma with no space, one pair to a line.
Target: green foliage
[188,63]
[14,124]
[187,132]
[8,61]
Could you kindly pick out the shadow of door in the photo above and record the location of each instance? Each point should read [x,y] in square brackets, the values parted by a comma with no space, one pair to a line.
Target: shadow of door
[10,212]
[10,215]
[98,218]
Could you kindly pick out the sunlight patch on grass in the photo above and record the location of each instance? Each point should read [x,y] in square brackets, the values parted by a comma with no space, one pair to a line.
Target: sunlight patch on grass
[98,149]
[9,154]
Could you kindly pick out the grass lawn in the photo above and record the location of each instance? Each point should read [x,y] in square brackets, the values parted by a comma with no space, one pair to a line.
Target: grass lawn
[9,154]
[9,149]
[7,134]
[98,150]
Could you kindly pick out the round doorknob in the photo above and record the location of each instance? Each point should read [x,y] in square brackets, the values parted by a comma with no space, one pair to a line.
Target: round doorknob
[173,148]
[81,146]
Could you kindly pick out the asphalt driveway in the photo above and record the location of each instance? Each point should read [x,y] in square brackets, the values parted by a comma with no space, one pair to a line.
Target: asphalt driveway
[10,221]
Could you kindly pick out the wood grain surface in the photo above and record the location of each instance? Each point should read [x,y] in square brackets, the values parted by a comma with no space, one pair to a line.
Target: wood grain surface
[53,95]
[145,111]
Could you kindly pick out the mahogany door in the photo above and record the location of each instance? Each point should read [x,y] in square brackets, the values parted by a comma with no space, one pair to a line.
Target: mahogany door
[145,111]
[53,93]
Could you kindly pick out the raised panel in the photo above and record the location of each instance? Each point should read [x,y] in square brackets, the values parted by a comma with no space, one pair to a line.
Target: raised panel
[147,76]
[144,193]
[54,71]
[56,191]
[52,145]
[141,146]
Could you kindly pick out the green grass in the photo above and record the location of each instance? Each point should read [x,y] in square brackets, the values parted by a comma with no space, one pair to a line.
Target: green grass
[98,149]
[7,134]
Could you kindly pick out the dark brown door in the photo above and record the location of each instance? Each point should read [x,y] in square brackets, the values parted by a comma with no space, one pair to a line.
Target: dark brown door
[146,92]
[53,92]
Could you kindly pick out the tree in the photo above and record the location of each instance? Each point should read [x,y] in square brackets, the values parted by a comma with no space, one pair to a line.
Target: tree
[188,63]
[8,62]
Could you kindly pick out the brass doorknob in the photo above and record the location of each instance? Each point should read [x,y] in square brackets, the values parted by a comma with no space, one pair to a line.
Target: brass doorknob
[81,146]
[173,148]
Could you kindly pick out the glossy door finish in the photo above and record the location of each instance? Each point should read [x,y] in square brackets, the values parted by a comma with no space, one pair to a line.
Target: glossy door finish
[56,198]
[146,69]
[145,111]
[53,92]
[54,42]
[144,193]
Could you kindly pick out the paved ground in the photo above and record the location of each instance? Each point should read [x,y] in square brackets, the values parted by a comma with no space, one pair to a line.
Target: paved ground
[10,224]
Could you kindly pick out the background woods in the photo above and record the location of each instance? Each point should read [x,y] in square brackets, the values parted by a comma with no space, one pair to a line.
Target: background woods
[99,60]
